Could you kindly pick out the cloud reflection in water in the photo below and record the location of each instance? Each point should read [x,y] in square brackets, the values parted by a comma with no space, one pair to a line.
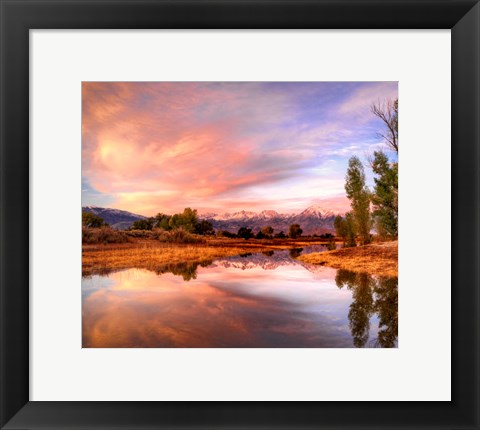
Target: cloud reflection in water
[255,301]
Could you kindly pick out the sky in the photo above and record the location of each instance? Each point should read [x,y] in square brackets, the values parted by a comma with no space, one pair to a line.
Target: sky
[150,147]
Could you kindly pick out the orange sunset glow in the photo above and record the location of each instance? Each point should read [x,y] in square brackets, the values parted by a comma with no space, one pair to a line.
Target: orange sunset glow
[152,147]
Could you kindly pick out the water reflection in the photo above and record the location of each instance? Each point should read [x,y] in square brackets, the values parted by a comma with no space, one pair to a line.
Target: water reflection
[295,252]
[187,271]
[256,300]
[386,305]
[371,295]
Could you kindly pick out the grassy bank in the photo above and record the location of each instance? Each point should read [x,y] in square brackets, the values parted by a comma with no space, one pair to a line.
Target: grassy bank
[377,259]
[160,256]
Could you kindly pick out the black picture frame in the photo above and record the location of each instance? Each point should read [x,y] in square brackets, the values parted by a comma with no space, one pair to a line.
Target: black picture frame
[18,17]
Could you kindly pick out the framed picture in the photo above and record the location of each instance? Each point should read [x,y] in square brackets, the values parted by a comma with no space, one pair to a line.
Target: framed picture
[207,221]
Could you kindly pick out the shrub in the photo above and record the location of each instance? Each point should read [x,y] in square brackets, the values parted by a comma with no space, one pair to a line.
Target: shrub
[225,233]
[91,220]
[103,235]
[267,232]
[177,236]
[294,231]
[204,227]
[245,232]
[143,224]
[144,234]
[331,245]
[260,235]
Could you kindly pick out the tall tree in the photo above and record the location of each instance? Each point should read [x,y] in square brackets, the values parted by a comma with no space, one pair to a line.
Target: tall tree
[340,225]
[187,220]
[351,234]
[267,232]
[345,228]
[260,235]
[162,221]
[144,224]
[204,227]
[91,220]
[294,231]
[388,113]
[385,196]
[359,196]
[245,232]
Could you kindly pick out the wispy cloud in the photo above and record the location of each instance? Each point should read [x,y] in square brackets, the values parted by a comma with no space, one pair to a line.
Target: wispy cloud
[150,147]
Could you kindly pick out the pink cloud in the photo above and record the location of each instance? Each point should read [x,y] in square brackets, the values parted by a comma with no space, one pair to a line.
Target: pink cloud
[143,141]
[164,146]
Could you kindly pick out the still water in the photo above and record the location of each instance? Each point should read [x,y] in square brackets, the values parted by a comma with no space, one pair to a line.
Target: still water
[263,300]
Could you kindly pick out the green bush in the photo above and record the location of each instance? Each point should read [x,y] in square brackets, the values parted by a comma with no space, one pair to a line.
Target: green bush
[91,220]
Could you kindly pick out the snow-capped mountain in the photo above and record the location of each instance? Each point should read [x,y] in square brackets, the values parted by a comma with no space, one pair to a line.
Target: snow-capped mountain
[242,215]
[116,218]
[313,220]
[316,211]
[266,262]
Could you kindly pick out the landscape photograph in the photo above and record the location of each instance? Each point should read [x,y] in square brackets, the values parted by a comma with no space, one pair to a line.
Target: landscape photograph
[239,214]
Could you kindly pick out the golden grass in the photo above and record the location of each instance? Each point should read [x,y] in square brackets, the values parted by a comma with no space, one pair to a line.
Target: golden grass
[154,255]
[152,258]
[377,259]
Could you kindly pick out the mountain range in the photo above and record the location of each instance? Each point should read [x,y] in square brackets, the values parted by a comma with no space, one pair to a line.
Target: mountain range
[266,262]
[121,220]
[313,220]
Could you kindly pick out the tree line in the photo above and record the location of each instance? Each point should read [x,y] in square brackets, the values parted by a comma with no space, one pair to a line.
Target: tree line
[188,221]
[246,233]
[378,208]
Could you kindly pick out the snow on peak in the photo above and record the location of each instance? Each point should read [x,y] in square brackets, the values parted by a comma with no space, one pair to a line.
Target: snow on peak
[317,211]
[312,211]
[243,215]
[269,214]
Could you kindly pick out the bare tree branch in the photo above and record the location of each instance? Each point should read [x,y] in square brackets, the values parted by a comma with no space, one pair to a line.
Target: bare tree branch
[388,113]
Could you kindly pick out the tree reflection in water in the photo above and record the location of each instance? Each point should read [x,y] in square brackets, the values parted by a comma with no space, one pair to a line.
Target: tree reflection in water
[374,300]
[386,305]
[295,252]
[371,295]
[187,271]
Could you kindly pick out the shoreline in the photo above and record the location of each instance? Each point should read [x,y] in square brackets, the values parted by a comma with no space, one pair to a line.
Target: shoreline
[158,256]
[380,259]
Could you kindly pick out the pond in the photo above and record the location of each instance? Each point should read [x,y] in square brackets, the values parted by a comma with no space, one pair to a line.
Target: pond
[261,300]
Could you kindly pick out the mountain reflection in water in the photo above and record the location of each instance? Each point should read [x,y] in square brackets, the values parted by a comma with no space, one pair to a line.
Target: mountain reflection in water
[260,300]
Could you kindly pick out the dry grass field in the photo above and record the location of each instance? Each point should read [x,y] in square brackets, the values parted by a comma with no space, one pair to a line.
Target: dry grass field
[145,253]
[158,256]
[377,259]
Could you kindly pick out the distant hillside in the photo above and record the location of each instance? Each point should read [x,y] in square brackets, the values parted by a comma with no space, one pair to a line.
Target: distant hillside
[121,220]
[313,220]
